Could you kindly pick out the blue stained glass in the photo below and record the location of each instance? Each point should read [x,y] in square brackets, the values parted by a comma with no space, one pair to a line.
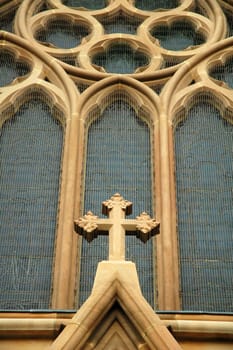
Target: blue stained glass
[89,4]
[30,155]
[204,173]
[121,23]
[223,72]
[118,160]
[120,58]
[62,33]
[10,68]
[149,5]
[7,19]
[179,35]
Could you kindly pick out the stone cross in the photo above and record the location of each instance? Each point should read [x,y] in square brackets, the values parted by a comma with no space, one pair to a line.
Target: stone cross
[116,208]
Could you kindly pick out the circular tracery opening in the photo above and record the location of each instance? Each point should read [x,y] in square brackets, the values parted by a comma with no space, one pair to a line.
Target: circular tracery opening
[120,58]
[178,35]
[11,67]
[88,4]
[62,33]
[150,5]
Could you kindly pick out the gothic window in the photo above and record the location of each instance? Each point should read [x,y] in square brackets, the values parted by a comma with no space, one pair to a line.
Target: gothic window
[30,153]
[118,160]
[101,46]
[204,173]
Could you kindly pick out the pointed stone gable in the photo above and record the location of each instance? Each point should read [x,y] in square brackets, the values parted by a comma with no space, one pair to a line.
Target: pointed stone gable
[115,313]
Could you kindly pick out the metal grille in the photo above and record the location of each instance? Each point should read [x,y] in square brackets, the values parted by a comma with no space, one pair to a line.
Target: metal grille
[122,23]
[11,68]
[62,33]
[118,160]
[7,20]
[178,35]
[223,72]
[170,61]
[204,173]
[89,4]
[229,17]
[30,153]
[120,58]
[149,5]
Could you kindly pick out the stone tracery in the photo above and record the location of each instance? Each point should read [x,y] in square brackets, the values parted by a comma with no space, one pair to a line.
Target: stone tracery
[191,78]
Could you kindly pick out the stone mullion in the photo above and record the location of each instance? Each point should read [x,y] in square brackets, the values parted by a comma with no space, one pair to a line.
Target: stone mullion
[167,257]
[66,245]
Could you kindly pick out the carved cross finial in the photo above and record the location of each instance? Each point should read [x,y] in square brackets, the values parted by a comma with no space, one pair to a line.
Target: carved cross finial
[116,208]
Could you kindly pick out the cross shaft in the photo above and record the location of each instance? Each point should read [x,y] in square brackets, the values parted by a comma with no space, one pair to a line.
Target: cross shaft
[116,208]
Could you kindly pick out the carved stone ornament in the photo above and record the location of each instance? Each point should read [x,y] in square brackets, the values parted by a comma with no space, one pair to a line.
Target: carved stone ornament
[87,226]
[146,227]
[117,199]
[116,226]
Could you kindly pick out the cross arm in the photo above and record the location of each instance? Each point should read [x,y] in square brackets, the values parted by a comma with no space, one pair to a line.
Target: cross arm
[90,226]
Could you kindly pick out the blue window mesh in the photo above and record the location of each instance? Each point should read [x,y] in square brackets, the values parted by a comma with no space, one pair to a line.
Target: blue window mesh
[7,19]
[118,160]
[229,17]
[223,72]
[178,35]
[88,4]
[121,23]
[120,58]
[30,154]
[149,5]
[204,173]
[62,33]
[11,68]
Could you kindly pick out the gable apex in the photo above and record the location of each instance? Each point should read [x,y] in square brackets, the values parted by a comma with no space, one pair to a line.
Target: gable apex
[116,283]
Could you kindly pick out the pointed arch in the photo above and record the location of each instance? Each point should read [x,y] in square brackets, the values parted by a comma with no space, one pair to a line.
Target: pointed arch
[190,80]
[30,151]
[56,90]
[120,129]
[203,141]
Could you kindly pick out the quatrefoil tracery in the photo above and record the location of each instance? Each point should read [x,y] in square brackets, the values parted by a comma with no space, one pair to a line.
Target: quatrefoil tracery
[85,24]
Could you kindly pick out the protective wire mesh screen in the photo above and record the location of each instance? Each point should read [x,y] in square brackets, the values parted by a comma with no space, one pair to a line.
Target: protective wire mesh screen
[170,61]
[229,17]
[7,20]
[11,68]
[121,23]
[156,4]
[178,35]
[62,33]
[120,58]
[89,4]
[204,173]
[118,160]
[223,72]
[30,153]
